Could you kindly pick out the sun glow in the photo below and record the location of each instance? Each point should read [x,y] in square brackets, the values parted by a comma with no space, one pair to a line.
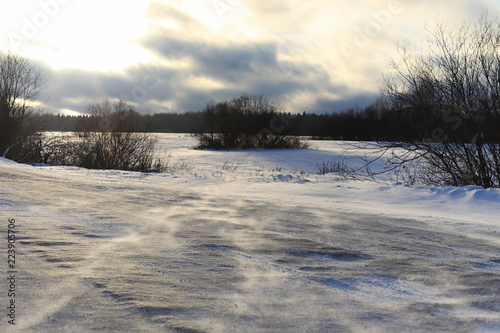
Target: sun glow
[68,112]
[90,35]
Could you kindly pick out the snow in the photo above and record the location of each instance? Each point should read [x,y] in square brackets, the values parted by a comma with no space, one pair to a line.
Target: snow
[247,241]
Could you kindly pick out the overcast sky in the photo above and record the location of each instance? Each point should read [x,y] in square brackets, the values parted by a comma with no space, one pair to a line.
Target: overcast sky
[176,55]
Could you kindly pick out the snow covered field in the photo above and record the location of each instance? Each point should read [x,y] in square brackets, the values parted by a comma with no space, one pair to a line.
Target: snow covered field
[246,241]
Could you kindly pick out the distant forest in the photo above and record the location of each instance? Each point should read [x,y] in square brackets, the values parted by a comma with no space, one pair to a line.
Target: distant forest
[369,124]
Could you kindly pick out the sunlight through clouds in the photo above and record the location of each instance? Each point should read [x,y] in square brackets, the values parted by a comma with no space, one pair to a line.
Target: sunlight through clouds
[68,112]
[316,56]
[90,35]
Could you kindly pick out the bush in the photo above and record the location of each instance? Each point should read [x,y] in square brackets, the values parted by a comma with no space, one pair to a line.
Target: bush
[246,123]
[105,150]
[109,145]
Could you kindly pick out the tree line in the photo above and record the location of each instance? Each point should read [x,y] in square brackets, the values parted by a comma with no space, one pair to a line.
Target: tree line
[373,123]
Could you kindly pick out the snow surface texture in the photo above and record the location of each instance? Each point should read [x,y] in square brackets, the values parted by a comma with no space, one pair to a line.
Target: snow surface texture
[247,242]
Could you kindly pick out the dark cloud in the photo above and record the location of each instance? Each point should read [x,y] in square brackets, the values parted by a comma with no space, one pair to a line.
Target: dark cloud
[219,61]
[212,70]
[241,69]
[252,68]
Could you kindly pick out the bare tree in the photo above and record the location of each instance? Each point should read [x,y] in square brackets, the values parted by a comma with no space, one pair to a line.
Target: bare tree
[454,83]
[20,86]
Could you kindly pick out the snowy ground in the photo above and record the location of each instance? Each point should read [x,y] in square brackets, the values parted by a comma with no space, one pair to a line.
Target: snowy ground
[246,242]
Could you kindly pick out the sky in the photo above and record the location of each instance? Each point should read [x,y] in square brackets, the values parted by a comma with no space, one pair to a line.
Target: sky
[177,55]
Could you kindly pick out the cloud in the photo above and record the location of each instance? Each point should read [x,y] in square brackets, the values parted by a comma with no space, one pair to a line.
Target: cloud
[161,13]
[230,63]
[315,56]
[165,89]
[192,71]
[254,67]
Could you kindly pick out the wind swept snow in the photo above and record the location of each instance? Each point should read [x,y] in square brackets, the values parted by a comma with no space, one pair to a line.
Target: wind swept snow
[246,242]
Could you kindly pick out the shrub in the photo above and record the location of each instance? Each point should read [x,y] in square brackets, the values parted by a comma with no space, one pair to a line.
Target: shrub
[246,123]
[109,145]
